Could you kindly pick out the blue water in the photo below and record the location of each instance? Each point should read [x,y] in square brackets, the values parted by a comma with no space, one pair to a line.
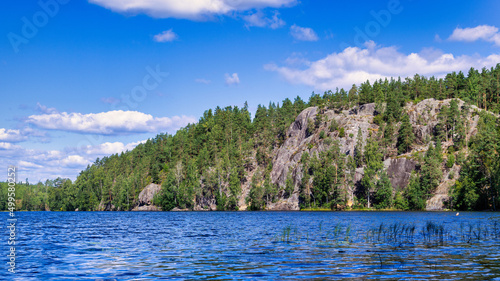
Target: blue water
[251,245]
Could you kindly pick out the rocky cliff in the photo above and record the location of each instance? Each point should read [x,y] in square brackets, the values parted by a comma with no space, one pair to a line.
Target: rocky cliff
[423,117]
[286,157]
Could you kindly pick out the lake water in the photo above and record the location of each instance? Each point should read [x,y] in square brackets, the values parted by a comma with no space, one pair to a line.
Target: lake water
[254,245]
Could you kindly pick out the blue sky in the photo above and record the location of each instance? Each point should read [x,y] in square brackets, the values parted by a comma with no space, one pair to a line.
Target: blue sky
[85,79]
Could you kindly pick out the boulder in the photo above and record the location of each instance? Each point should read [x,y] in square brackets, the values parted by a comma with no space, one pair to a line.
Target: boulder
[147,194]
[145,200]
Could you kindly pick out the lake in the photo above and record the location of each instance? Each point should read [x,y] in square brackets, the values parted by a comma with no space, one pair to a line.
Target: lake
[254,245]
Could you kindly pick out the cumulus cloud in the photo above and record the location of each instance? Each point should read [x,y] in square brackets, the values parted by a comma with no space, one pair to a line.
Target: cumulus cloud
[45,109]
[188,9]
[75,161]
[49,164]
[232,79]
[481,32]
[8,135]
[109,123]
[258,19]
[8,146]
[27,165]
[109,148]
[303,33]
[355,65]
[166,36]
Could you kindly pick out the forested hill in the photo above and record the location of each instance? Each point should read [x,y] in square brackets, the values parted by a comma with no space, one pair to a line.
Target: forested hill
[409,144]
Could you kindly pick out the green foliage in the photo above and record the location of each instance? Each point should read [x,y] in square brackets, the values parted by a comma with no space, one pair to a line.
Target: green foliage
[373,159]
[415,195]
[383,194]
[322,135]
[310,128]
[329,173]
[388,135]
[400,202]
[406,136]
[467,194]
[478,187]
[289,186]
[450,161]
[210,160]
[431,172]
[341,132]
[318,120]
[334,125]
[378,120]
[393,111]
[358,149]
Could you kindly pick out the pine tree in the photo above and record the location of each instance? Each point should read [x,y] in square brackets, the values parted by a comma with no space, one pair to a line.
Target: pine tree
[383,194]
[431,172]
[406,136]
[415,195]
[373,158]
[358,149]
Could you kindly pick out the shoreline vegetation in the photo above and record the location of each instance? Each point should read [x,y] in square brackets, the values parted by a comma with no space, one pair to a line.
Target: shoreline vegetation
[395,144]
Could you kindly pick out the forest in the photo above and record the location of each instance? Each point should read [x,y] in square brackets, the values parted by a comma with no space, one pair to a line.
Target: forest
[228,147]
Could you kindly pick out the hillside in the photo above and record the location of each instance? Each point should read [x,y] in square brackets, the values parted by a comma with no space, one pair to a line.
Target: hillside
[421,143]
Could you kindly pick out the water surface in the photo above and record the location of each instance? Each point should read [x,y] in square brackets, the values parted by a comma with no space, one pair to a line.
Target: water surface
[254,245]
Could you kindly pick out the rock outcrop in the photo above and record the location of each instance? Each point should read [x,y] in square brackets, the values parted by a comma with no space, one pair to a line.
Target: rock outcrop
[399,171]
[145,199]
[423,117]
[287,157]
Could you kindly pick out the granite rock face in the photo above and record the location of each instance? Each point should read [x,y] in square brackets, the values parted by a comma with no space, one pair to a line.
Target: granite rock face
[287,157]
[423,117]
[145,199]
[399,172]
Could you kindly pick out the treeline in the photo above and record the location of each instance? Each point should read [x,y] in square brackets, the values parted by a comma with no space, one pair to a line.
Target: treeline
[208,162]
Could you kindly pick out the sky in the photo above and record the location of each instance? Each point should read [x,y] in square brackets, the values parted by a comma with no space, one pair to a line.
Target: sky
[86,79]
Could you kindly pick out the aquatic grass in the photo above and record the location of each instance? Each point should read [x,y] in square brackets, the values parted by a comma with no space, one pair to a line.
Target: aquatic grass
[285,236]
[396,232]
[348,233]
[435,232]
[429,233]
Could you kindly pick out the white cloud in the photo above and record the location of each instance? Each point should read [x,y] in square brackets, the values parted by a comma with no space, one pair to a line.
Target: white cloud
[203,81]
[166,36]
[354,65]
[75,161]
[258,19]
[303,33]
[232,79]
[109,123]
[26,165]
[481,32]
[45,109]
[8,146]
[50,164]
[188,9]
[109,148]
[8,135]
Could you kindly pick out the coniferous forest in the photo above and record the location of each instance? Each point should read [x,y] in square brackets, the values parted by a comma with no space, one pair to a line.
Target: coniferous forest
[229,150]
